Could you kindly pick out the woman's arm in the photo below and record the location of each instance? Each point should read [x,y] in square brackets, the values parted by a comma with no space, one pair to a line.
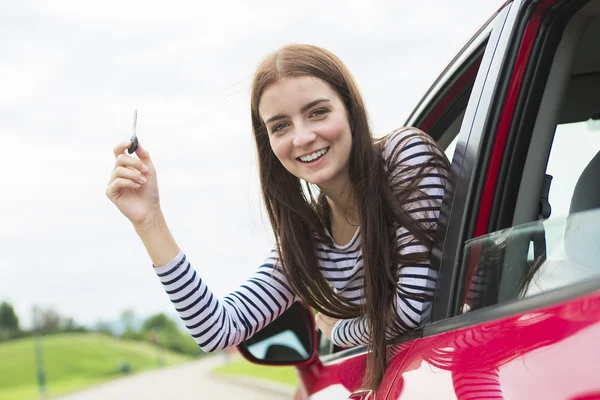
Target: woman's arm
[414,291]
[216,324]
[157,239]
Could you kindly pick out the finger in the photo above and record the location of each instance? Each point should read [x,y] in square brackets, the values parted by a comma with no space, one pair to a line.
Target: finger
[144,155]
[121,147]
[119,184]
[128,173]
[124,160]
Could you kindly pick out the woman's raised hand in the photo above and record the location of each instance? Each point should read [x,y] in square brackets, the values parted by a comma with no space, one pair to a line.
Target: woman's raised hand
[133,186]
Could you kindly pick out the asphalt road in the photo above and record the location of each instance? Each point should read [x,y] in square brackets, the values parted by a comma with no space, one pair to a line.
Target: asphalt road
[188,381]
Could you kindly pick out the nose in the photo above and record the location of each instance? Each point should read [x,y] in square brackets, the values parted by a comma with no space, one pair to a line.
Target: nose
[303,136]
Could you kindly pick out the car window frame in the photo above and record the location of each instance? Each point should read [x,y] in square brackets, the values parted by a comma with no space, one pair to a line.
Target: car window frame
[456,221]
[525,13]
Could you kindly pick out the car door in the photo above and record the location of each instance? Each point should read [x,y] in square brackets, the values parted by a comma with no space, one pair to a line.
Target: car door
[517,312]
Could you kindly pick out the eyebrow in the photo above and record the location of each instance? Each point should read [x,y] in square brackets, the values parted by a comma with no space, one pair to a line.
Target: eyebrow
[302,110]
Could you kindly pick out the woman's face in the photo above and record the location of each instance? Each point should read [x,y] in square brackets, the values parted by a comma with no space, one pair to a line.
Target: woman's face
[308,129]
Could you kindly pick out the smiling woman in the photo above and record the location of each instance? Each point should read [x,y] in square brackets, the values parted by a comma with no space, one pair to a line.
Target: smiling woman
[313,139]
[353,217]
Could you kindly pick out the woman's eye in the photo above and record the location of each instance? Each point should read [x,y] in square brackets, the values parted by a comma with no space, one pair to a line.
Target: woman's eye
[318,113]
[279,127]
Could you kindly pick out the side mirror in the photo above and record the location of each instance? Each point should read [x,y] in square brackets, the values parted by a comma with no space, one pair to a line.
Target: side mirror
[289,340]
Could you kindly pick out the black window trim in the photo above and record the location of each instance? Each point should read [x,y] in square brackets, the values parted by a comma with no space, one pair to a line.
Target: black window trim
[455,223]
[522,12]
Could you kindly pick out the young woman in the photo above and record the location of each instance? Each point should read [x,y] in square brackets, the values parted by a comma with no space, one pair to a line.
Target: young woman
[353,217]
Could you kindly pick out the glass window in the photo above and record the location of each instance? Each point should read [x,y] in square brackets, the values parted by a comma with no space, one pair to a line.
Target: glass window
[500,266]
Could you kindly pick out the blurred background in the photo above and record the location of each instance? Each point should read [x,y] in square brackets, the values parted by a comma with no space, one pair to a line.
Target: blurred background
[76,283]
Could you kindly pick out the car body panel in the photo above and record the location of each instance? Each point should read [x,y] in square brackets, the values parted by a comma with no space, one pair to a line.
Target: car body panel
[549,353]
[344,376]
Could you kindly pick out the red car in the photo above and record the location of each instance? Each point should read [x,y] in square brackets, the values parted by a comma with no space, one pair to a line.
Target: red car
[517,308]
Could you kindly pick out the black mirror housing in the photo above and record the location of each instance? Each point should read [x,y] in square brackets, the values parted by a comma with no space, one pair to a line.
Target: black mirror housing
[289,340]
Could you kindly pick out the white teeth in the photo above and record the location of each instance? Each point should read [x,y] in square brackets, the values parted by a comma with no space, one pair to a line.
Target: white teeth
[313,156]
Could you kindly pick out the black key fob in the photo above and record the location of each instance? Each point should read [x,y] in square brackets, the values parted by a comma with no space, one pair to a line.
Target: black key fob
[134,139]
[134,145]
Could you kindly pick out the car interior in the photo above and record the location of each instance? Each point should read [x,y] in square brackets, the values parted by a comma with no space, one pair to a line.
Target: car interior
[572,94]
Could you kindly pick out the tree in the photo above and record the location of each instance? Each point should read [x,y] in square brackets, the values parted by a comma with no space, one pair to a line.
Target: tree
[50,320]
[103,327]
[9,322]
[159,322]
[163,331]
[70,325]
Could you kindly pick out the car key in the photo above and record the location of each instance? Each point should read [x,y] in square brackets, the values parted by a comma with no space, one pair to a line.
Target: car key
[134,139]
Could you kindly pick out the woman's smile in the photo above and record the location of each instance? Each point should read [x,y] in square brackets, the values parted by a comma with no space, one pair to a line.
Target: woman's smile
[312,159]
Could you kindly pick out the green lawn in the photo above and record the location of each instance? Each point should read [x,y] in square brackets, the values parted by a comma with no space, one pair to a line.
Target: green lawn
[283,375]
[72,361]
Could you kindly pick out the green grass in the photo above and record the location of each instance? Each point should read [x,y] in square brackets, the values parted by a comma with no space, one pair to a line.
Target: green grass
[283,375]
[72,362]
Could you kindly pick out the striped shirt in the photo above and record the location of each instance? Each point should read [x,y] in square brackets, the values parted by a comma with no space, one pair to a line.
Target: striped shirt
[217,324]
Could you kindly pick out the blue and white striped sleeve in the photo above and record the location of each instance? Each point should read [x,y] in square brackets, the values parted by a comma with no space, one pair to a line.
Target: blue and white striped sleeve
[216,324]
[407,151]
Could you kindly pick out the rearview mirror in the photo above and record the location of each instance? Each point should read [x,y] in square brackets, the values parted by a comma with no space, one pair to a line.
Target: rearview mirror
[289,340]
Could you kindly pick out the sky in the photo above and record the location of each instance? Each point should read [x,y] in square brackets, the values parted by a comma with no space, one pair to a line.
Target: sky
[72,73]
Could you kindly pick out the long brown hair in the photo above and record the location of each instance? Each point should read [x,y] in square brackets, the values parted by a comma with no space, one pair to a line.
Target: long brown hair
[299,219]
